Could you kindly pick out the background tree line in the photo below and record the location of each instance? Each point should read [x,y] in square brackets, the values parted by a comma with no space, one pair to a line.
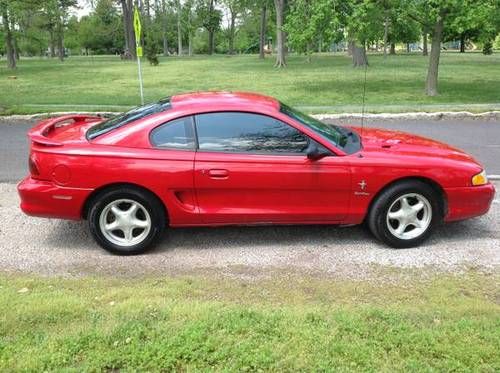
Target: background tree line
[187,27]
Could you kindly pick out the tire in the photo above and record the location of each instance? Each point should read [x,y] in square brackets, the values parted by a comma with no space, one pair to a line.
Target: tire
[405,214]
[137,216]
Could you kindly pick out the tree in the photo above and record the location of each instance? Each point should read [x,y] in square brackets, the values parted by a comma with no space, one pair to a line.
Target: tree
[235,7]
[9,39]
[12,13]
[56,12]
[128,28]
[101,31]
[189,23]
[280,33]
[178,11]
[262,28]
[474,20]
[323,24]
[439,13]
[210,19]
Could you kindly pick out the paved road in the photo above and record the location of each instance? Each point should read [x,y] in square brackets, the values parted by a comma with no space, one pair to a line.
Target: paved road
[56,247]
[481,138]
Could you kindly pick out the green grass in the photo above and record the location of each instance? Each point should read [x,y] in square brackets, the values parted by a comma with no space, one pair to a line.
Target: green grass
[283,323]
[328,84]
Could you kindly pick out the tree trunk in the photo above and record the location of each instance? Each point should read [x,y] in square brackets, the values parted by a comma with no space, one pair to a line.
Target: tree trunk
[165,43]
[462,43]
[431,84]
[350,48]
[211,32]
[392,49]
[407,47]
[280,42]
[52,43]
[425,50]
[386,32]
[179,30]
[164,28]
[262,36]
[190,35]
[9,43]
[60,39]
[231,32]
[320,44]
[128,25]
[359,56]
[210,42]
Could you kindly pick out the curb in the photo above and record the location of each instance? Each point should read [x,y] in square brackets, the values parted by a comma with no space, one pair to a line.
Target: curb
[488,115]
[458,115]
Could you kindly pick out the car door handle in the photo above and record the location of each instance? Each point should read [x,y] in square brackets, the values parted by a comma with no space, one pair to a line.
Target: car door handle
[218,174]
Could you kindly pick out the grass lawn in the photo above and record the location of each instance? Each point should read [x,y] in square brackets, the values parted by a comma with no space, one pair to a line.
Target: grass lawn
[283,323]
[468,81]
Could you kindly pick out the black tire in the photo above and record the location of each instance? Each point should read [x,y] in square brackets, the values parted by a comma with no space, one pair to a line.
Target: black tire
[377,216]
[147,200]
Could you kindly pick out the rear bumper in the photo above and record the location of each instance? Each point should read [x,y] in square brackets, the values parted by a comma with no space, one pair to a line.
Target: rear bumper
[468,202]
[49,200]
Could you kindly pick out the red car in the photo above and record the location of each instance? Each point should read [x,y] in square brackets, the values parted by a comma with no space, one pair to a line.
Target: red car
[220,158]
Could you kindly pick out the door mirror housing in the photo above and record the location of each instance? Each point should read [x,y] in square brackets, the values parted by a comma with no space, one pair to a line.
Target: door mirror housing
[316,151]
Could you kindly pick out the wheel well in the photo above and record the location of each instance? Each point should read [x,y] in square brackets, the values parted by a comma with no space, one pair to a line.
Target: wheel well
[105,188]
[435,186]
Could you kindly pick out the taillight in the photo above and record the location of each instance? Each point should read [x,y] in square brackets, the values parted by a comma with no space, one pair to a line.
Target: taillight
[33,167]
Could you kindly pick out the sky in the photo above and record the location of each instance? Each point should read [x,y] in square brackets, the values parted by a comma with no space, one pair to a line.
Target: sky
[83,8]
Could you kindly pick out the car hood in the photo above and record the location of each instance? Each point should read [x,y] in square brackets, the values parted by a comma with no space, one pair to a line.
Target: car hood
[381,140]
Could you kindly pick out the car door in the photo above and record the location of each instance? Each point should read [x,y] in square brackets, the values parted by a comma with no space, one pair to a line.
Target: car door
[173,153]
[251,168]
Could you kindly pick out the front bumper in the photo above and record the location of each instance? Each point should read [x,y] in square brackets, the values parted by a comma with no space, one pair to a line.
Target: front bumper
[49,200]
[468,202]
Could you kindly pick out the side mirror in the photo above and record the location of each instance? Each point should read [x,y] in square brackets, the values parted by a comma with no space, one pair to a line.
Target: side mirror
[316,151]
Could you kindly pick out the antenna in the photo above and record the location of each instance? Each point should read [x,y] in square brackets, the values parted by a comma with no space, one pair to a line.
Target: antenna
[363,107]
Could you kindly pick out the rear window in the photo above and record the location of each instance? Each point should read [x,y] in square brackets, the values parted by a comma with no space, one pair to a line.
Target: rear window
[128,117]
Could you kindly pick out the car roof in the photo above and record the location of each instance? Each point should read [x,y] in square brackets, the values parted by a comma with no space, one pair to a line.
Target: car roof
[226,99]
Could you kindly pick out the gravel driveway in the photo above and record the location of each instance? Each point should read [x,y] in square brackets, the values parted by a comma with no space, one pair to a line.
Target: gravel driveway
[55,247]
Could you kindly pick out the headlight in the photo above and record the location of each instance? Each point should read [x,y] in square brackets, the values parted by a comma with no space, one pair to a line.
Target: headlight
[480,178]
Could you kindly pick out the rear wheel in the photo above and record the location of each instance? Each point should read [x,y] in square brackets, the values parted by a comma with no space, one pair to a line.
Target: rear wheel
[405,214]
[126,221]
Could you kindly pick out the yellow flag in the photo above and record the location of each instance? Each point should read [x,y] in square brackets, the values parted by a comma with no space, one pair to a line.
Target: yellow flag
[137,26]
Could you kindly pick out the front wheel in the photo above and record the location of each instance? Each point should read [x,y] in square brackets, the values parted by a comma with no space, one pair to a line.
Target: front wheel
[126,221]
[405,214]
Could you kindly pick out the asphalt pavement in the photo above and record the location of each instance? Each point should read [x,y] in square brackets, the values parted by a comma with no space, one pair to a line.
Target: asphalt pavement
[479,137]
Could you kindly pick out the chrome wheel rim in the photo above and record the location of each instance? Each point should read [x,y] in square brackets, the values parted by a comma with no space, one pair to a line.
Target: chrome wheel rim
[409,216]
[125,222]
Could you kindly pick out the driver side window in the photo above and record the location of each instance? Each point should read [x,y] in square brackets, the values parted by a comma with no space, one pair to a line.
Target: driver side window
[239,132]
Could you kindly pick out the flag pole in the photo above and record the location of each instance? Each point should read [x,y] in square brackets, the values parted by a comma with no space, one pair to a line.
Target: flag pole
[140,78]
[138,48]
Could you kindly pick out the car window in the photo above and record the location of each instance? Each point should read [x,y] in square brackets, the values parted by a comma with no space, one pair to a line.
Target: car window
[344,138]
[176,134]
[128,117]
[247,133]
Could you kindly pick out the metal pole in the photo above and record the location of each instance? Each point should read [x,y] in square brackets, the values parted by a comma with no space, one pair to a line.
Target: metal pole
[140,76]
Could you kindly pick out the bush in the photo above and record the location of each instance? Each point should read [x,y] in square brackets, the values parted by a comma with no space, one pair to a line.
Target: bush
[488,48]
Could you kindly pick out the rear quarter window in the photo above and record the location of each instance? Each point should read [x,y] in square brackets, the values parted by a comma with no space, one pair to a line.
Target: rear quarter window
[176,134]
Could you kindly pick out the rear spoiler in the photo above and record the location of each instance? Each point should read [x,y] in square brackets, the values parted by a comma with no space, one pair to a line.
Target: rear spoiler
[38,134]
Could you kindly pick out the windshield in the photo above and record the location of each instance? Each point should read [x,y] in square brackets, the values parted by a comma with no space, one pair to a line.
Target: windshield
[130,116]
[341,137]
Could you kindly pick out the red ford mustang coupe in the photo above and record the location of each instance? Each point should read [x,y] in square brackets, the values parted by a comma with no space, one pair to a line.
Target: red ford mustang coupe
[220,158]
